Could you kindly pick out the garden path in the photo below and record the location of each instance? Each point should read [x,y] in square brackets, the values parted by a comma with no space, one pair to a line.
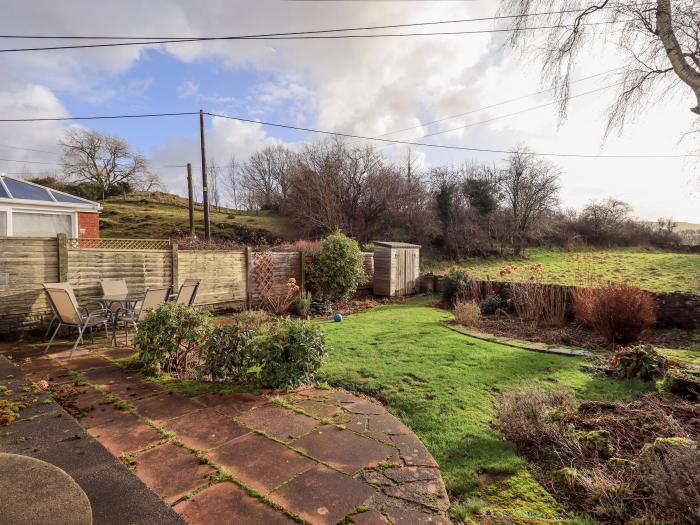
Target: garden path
[322,456]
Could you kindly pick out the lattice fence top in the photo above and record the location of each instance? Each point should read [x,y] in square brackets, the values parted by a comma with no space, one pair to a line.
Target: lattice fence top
[263,273]
[119,244]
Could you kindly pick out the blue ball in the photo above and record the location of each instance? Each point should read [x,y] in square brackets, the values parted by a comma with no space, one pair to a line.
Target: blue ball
[338,317]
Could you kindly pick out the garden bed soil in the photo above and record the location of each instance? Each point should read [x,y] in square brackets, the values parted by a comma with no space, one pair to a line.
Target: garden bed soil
[573,334]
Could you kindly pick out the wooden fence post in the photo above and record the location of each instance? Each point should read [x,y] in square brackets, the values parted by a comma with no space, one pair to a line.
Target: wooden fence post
[62,246]
[176,277]
[248,276]
[302,266]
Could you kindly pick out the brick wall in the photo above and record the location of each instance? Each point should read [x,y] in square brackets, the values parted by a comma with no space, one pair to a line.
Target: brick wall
[88,225]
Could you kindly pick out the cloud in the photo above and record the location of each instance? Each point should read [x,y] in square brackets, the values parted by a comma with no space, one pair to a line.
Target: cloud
[189,88]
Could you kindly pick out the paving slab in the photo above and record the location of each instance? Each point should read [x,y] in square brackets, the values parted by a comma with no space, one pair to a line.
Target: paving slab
[363,406]
[38,363]
[260,462]
[230,403]
[125,433]
[228,504]
[281,423]
[428,493]
[387,424]
[205,429]
[171,471]
[100,413]
[399,516]
[369,517]
[322,496]
[166,406]
[84,362]
[413,452]
[133,389]
[318,408]
[343,449]
[116,495]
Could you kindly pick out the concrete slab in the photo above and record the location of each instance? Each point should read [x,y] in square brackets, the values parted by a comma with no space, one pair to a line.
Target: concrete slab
[205,429]
[227,503]
[322,496]
[259,462]
[116,495]
[125,433]
[166,406]
[281,423]
[171,471]
[343,449]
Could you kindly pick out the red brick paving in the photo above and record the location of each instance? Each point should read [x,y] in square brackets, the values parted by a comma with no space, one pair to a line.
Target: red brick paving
[228,504]
[259,462]
[125,433]
[322,496]
[343,449]
[156,467]
[278,422]
[205,429]
[303,486]
[230,403]
[166,406]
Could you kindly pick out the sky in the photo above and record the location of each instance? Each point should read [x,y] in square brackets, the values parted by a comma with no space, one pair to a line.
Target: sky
[365,87]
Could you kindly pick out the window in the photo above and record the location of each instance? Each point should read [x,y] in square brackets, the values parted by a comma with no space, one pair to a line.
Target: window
[40,224]
[3,223]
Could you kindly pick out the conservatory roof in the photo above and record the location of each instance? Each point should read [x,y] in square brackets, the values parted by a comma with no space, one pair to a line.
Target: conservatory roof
[19,190]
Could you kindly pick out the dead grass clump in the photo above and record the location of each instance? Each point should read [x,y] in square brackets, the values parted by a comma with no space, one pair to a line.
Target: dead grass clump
[617,311]
[467,313]
[616,462]
[540,303]
[670,467]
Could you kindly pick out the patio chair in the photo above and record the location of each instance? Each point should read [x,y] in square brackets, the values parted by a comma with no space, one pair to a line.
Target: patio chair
[69,313]
[152,298]
[188,291]
[113,287]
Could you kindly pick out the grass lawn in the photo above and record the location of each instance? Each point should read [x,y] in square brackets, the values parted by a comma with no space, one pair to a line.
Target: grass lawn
[648,269]
[155,216]
[441,384]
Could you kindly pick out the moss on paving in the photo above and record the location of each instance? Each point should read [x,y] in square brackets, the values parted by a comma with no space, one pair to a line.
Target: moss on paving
[649,269]
[442,385]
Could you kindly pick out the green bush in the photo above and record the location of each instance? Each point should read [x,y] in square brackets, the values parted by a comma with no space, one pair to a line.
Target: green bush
[229,352]
[289,353]
[458,285]
[338,268]
[171,335]
[491,304]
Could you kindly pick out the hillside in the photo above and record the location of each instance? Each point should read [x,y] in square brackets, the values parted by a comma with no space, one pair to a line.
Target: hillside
[161,215]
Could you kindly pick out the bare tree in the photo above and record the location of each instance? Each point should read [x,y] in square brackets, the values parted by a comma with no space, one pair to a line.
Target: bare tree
[529,186]
[231,181]
[213,189]
[660,41]
[103,160]
[265,175]
[149,181]
[603,219]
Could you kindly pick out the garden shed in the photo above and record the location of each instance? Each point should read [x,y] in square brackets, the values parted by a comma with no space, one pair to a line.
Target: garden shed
[396,268]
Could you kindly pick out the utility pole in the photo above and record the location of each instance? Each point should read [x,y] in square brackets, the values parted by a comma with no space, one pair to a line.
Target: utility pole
[190,196]
[205,188]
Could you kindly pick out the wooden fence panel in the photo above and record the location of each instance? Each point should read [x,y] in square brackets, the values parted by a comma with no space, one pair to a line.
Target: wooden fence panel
[25,264]
[223,275]
[284,266]
[140,269]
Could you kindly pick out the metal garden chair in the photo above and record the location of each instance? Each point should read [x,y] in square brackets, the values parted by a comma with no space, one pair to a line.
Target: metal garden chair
[188,291]
[69,313]
[153,298]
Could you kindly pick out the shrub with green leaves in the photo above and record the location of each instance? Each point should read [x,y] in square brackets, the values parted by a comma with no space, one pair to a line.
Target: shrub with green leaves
[304,303]
[491,304]
[229,352]
[642,361]
[458,285]
[289,353]
[171,335]
[338,268]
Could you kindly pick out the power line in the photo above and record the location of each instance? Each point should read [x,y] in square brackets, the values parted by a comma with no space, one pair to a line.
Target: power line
[490,106]
[304,37]
[100,117]
[30,162]
[29,149]
[297,33]
[443,146]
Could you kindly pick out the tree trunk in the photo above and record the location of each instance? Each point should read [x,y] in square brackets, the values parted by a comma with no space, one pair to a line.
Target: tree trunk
[664,26]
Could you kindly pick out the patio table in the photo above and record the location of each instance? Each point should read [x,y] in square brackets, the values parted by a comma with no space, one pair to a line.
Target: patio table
[128,300]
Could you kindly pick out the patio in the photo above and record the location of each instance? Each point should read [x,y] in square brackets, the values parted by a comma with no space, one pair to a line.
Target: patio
[321,456]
